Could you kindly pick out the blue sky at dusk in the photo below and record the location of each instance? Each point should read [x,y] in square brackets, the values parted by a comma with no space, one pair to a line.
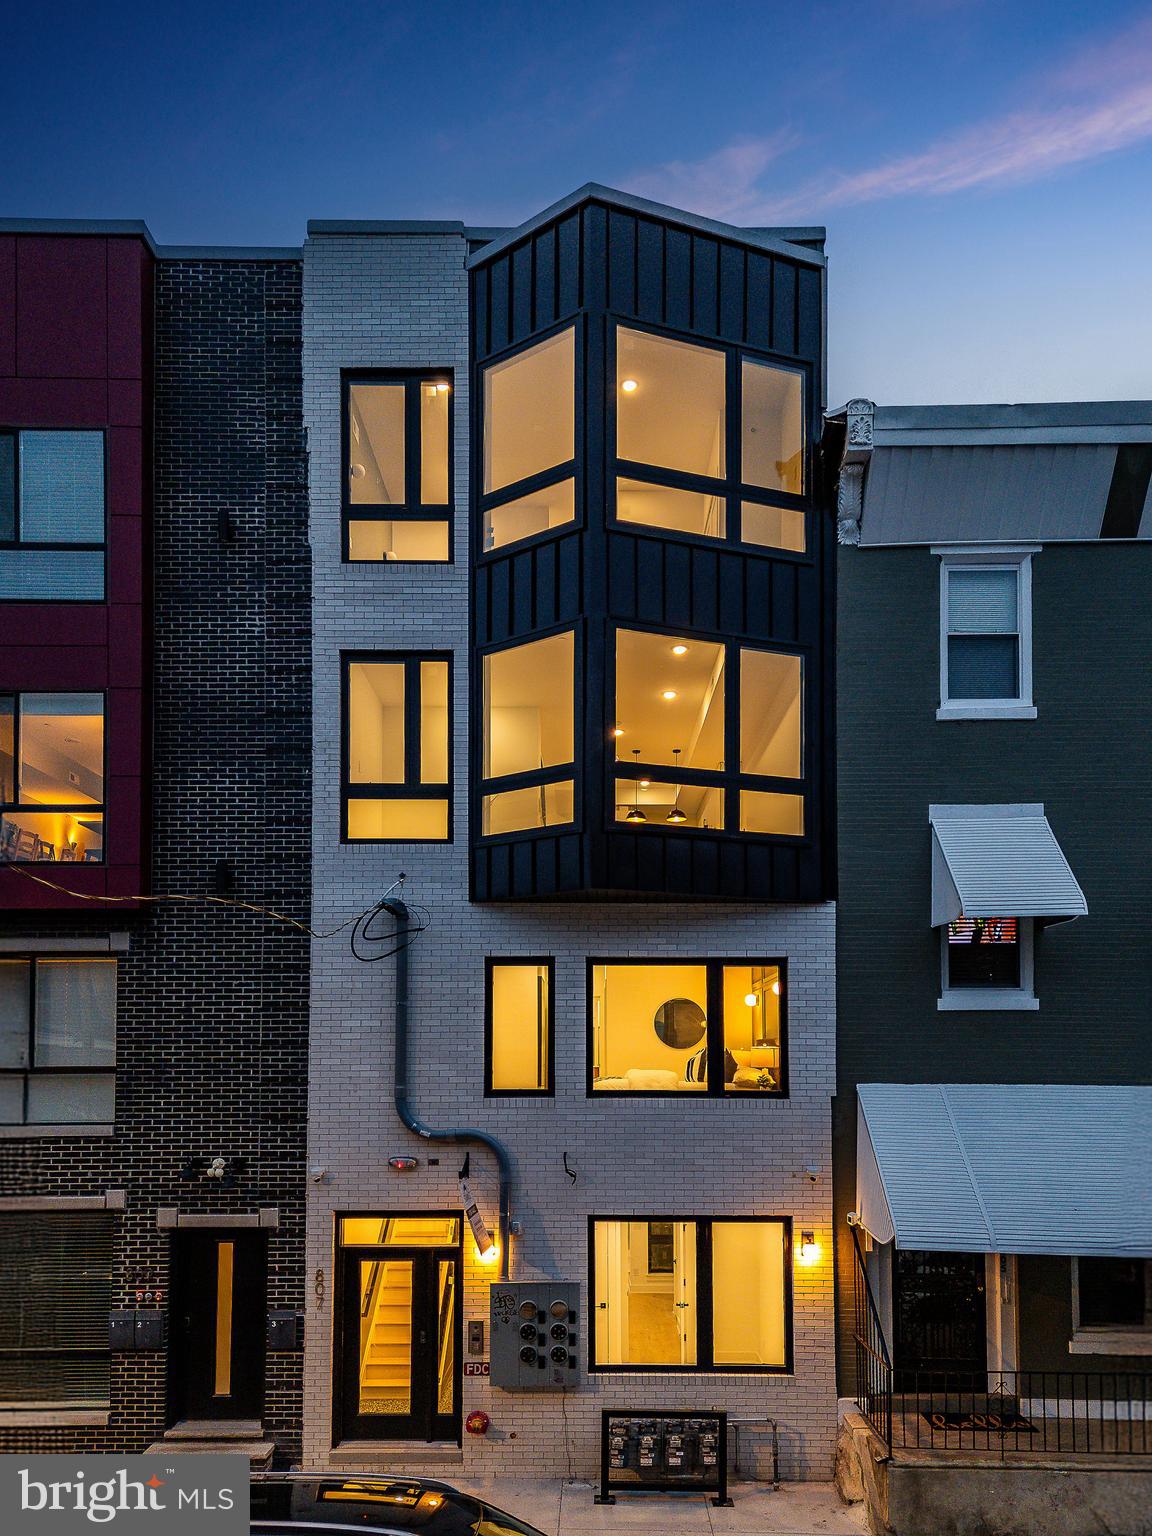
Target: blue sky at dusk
[984,167]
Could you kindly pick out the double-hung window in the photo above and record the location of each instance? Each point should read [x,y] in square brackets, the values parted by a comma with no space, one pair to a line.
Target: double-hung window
[52,516]
[398,467]
[710,442]
[985,636]
[699,1294]
[56,1281]
[51,777]
[57,1041]
[529,449]
[708,734]
[528,735]
[673,1026]
[397,748]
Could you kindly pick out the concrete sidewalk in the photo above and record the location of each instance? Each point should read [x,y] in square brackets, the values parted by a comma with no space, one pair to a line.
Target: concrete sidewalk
[566,1509]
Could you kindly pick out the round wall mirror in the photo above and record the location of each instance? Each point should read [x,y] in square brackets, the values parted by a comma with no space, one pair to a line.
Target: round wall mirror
[680,1023]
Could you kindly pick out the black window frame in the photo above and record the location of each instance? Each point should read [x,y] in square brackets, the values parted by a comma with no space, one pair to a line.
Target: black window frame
[572,469]
[704,1334]
[412,788]
[715,1087]
[33,959]
[16,543]
[952,949]
[412,509]
[730,778]
[731,488]
[533,778]
[17,807]
[549,964]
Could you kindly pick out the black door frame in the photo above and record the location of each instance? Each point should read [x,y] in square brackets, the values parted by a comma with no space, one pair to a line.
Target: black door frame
[192,1269]
[424,1424]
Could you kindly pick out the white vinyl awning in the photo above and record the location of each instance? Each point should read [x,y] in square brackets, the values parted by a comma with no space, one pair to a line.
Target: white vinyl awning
[999,861]
[1006,1168]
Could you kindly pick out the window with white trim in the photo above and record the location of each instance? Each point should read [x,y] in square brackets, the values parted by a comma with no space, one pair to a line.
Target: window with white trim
[987,963]
[986,636]
[1112,1306]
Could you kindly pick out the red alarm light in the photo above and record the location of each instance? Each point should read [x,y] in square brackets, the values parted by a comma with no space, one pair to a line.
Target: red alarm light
[404,1164]
[477,1423]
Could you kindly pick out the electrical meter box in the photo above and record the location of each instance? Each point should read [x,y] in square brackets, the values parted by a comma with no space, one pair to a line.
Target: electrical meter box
[533,1335]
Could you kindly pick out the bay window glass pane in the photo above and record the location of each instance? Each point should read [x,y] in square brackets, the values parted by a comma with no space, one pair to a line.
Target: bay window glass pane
[61,749]
[676,511]
[520,1021]
[398,539]
[748,1293]
[752,1028]
[62,487]
[64,837]
[7,486]
[434,398]
[650,1028]
[398,821]
[376,722]
[772,427]
[75,1013]
[670,403]
[669,700]
[645,1293]
[529,411]
[773,527]
[433,722]
[538,512]
[15,1012]
[11,1099]
[520,810]
[528,706]
[982,602]
[770,714]
[768,812]
[984,952]
[983,667]
[71,1099]
[667,805]
[7,748]
[376,445]
[52,575]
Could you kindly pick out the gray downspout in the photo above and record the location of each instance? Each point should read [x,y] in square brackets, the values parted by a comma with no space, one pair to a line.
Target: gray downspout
[461,1136]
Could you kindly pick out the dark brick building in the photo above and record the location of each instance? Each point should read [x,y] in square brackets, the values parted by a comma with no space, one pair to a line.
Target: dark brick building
[153,1138]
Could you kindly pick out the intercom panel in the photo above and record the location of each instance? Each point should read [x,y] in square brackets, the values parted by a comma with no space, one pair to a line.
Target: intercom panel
[534,1335]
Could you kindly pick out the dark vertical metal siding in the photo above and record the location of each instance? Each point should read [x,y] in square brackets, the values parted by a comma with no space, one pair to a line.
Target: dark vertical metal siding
[600,262]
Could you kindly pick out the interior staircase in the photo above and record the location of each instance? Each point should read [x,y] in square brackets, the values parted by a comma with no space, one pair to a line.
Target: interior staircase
[386,1339]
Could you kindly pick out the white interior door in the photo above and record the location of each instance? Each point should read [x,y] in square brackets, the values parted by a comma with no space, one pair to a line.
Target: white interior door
[684,1287]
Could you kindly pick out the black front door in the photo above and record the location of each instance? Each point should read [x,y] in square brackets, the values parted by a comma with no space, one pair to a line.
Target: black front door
[939,1315]
[217,1325]
[399,1365]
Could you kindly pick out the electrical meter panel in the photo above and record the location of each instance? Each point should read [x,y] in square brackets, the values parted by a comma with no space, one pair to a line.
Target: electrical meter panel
[663,1450]
[534,1325]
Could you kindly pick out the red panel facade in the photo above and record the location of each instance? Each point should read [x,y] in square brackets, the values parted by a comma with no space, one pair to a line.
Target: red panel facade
[75,351]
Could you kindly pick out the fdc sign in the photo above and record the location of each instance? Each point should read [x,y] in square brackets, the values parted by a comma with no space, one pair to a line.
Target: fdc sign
[187,1495]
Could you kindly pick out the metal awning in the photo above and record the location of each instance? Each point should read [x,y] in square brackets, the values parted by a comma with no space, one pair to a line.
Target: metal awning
[1006,1168]
[999,861]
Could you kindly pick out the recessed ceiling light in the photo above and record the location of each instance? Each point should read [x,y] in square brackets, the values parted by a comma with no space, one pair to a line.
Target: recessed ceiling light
[669,694]
[617,731]
[442,388]
[629,386]
[679,650]
[645,783]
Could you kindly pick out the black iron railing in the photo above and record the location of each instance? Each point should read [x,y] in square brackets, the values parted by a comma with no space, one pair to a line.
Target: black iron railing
[873,1362]
[1093,1413]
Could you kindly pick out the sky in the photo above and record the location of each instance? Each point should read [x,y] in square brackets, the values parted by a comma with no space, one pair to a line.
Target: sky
[983,167]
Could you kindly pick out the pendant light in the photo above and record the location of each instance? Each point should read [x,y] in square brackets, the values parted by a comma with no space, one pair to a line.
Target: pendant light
[636,814]
[676,814]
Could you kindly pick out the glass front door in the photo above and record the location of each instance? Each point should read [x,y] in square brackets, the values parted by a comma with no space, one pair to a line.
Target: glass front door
[400,1337]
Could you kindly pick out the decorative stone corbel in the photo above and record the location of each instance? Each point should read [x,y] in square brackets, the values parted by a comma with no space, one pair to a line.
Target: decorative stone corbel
[858,437]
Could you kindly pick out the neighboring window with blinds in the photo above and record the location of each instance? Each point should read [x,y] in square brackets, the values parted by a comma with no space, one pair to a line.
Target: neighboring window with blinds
[984,952]
[56,1290]
[985,636]
[52,516]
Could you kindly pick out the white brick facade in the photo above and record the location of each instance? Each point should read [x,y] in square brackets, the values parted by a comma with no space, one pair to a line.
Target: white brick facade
[400,300]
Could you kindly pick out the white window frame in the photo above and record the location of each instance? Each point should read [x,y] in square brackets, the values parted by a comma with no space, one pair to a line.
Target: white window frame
[1018,559]
[993,999]
[1103,1340]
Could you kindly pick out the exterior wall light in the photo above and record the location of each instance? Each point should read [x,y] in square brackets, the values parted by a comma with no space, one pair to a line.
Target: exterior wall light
[809,1249]
[490,1254]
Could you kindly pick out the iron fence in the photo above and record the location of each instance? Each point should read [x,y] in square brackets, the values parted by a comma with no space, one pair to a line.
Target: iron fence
[873,1362]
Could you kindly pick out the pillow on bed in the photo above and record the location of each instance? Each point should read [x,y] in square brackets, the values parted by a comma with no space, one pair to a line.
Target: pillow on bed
[651,1078]
[749,1077]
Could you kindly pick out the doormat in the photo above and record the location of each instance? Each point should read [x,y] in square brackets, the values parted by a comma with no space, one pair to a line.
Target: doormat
[1005,1421]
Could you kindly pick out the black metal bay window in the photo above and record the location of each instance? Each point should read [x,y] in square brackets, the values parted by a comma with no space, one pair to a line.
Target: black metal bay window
[528,735]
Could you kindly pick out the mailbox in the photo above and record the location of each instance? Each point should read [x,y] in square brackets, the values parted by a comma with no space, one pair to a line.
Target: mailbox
[663,1450]
[285,1330]
[136,1329]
